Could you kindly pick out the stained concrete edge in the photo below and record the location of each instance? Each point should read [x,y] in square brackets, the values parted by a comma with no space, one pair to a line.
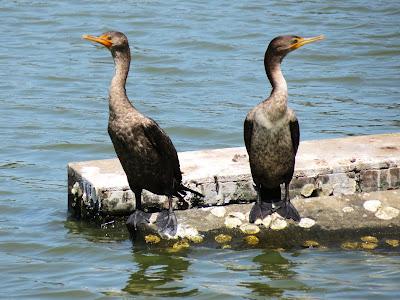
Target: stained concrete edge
[359,221]
[323,167]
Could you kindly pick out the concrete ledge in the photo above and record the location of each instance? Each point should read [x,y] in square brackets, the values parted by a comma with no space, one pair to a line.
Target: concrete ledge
[358,221]
[362,221]
[323,167]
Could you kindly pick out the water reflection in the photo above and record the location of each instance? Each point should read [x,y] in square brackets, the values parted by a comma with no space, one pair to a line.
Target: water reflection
[159,274]
[93,232]
[147,272]
[273,276]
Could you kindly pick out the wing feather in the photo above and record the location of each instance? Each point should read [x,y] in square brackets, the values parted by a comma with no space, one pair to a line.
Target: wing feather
[248,132]
[164,146]
[295,134]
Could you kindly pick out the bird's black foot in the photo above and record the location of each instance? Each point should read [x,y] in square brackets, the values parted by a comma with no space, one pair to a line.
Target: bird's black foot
[288,211]
[167,222]
[137,218]
[260,210]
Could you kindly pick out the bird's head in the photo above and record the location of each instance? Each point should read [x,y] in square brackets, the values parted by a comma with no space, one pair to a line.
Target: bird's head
[282,45]
[113,40]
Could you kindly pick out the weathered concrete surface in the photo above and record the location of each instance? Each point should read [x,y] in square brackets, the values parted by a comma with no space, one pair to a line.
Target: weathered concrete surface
[323,167]
[346,221]
[346,212]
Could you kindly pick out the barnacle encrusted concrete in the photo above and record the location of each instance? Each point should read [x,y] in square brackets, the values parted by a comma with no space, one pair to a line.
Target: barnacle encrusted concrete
[325,223]
[323,167]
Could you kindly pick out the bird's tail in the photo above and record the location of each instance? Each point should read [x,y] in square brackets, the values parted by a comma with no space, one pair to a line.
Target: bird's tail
[183,189]
[181,192]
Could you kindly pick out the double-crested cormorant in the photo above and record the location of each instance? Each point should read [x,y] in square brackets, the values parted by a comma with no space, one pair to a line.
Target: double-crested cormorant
[271,135]
[145,151]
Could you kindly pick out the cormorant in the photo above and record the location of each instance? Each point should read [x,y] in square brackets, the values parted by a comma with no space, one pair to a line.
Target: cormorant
[145,151]
[271,135]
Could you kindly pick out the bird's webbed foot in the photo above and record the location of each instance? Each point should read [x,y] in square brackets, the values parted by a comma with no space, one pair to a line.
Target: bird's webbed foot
[167,223]
[260,210]
[288,211]
[136,218]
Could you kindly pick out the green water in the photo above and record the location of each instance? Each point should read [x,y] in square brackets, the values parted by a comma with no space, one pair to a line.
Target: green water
[197,69]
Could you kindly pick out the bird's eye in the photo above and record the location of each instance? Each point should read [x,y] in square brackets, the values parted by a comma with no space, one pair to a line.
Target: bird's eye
[109,38]
[294,41]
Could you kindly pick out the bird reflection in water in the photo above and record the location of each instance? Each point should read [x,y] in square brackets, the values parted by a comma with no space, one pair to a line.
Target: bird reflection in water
[158,274]
[275,276]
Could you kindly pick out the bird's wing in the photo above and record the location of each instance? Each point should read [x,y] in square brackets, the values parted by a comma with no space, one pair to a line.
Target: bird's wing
[294,132]
[248,131]
[163,145]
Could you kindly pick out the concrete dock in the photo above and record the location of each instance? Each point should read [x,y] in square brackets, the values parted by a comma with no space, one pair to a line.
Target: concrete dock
[327,174]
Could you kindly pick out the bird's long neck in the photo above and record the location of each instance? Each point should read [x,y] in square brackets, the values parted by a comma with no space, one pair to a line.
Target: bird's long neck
[118,100]
[279,94]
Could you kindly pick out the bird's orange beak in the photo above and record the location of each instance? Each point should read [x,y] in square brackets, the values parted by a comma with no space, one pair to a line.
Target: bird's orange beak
[103,39]
[303,41]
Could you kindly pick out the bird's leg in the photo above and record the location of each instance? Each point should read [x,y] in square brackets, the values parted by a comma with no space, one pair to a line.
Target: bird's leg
[138,216]
[260,209]
[287,199]
[287,210]
[166,220]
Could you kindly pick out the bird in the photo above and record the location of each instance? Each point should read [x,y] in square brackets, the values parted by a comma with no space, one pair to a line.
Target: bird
[272,135]
[145,151]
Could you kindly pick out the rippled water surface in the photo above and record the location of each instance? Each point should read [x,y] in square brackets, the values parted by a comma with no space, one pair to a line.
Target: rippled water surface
[197,69]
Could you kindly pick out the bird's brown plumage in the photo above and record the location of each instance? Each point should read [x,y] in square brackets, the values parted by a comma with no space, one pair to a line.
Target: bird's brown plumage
[271,144]
[271,129]
[145,151]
